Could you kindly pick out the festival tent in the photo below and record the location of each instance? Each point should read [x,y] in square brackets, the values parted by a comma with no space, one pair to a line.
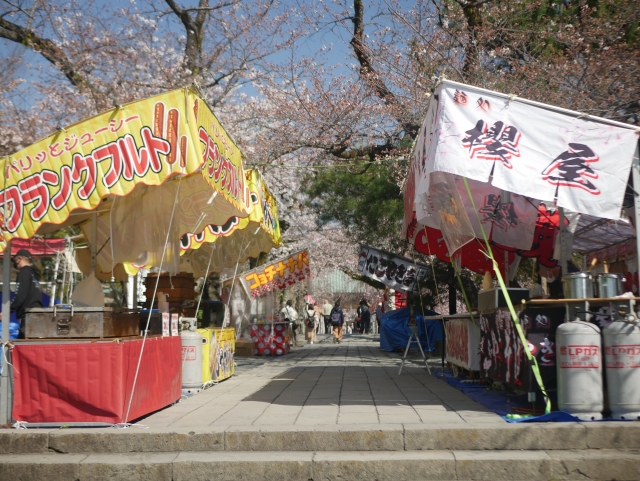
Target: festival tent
[491,167]
[135,178]
[518,170]
[237,239]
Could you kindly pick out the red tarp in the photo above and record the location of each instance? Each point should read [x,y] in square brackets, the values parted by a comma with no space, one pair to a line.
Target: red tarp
[37,247]
[91,381]
[430,241]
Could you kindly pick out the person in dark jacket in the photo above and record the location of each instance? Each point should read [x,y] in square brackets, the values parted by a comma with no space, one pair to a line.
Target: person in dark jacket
[337,321]
[28,293]
[364,314]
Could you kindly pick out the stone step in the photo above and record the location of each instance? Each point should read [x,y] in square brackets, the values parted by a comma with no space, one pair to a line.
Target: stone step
[407,437]
[326,466]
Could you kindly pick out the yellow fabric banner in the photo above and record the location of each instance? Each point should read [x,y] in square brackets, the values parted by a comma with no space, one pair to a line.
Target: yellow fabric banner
[145,142]
[237,239]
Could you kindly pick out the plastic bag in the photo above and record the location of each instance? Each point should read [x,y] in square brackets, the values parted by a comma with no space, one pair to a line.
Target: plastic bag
[88,293]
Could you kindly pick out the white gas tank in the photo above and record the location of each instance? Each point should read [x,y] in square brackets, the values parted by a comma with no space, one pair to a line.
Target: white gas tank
[579,367]
[622,361]
[191,360]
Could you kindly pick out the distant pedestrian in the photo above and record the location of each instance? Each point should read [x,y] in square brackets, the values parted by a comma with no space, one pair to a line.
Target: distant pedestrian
[326,314]
[337,321]
[289,314]
[379,314]
[364,314]
[310,323]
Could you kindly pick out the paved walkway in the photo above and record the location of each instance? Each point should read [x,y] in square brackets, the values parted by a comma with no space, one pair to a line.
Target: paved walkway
[327,384]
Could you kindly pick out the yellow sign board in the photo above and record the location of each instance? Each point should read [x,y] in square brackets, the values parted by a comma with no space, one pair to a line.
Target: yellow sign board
[145,142]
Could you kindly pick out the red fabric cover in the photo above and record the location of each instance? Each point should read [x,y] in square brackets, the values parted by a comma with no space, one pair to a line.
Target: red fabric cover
[91,382]
[38,247]
[430,241]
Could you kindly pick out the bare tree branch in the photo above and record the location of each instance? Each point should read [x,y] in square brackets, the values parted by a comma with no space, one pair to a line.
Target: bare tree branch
[369,74]
[46,48]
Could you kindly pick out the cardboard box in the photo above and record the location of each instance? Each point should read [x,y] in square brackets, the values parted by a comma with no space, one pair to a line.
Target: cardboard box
[244,348]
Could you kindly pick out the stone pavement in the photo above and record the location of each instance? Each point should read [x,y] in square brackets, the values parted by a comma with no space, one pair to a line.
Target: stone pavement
[326,413]
[353,382]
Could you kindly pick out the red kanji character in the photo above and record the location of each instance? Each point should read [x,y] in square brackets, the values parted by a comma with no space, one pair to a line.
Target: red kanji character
[110,151]
[84,164]
[11,197]
[60,199]
[29,163]
[41,156]
[70,142]
[53,150]
[86,138]
[113,123]
[135,161]
[12,166]
[211,152]
[154,147]
[33,189]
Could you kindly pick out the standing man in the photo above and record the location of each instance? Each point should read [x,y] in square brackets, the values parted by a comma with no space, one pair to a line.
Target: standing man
[326,314]
[337,321]
[379,314]
[289,314]
[364,314]
[28,293]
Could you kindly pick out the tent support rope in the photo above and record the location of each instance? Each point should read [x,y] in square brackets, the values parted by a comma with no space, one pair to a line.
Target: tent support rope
[153,298]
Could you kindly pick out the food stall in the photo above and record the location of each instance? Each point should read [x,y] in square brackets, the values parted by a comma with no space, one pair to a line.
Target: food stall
[495,178]
[135,179]
[253,301]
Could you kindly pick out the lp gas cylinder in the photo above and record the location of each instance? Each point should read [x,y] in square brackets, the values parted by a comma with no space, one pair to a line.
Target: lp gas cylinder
[579,368]
[622,361]
[191,360]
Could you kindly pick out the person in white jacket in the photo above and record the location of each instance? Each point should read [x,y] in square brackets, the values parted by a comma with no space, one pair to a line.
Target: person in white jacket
[289,314]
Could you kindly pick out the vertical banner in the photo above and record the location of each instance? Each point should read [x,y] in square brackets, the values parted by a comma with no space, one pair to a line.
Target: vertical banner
[394,271]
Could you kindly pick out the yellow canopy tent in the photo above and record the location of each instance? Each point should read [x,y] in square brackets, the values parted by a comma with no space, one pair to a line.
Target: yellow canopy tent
[119,175]
[238,239]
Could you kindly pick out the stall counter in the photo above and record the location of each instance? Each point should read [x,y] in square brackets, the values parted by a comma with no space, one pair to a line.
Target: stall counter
[91,381]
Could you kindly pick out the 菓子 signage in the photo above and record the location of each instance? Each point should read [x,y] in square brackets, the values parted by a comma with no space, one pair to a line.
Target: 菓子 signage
[394,271]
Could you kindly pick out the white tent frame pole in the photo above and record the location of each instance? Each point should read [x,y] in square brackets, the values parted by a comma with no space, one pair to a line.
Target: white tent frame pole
[635,169]
[5,398]
[94,240]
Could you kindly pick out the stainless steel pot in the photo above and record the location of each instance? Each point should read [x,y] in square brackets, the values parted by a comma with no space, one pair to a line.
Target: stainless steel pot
[609,285]
[578,285]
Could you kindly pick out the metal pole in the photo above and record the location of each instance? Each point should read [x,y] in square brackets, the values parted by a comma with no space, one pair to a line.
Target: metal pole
[94,240]
[5,399]
[55,279]
[635,169]
[563,240]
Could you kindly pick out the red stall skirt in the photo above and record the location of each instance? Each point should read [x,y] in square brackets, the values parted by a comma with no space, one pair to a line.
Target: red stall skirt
[92,381]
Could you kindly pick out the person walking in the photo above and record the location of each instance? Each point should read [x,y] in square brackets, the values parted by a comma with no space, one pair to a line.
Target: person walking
[289,314]
[326,314]
[337,321]
[310,324]
[364,314]
[28,293]
[379,315]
